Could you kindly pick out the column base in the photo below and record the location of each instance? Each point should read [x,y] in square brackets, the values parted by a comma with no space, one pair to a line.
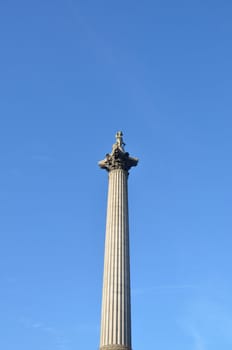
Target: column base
[115,347]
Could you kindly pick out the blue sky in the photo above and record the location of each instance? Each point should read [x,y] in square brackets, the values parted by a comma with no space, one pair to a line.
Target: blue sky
[72,73]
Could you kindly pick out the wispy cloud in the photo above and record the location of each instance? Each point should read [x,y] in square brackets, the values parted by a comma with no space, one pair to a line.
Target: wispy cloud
[59,340]
[40,157]
[167,287]
[87,327]
[208,322]
[198,340]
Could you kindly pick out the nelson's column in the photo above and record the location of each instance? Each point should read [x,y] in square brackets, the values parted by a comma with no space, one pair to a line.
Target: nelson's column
[116,305]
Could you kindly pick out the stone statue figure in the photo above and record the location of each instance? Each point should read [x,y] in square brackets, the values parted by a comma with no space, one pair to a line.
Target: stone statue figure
[119,141]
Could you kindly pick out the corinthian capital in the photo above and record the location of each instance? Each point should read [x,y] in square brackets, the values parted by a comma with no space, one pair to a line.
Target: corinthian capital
[118,158]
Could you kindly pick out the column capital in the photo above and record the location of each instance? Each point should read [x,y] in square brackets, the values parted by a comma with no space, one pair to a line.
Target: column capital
[118,158]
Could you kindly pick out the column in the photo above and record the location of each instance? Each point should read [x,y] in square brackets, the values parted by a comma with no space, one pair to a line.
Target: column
[116,301]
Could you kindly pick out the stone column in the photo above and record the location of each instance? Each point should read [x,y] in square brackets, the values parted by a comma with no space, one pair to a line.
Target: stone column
[116,304]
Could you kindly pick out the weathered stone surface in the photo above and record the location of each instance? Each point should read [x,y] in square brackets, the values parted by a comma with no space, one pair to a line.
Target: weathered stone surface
[115,347]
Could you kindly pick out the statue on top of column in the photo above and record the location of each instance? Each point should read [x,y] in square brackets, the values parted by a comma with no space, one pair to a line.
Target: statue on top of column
[119,142]
[118,158]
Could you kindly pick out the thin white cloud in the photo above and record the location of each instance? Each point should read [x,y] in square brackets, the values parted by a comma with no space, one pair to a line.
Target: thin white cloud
[207,322]
[36,325]
[59,340]
[198,341]
[171,287]
[40,157]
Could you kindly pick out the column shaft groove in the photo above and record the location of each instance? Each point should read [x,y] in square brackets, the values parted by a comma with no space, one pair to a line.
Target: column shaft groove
[116,308]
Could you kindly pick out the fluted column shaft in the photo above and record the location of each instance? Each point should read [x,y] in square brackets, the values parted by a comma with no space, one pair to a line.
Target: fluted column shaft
[116,305]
